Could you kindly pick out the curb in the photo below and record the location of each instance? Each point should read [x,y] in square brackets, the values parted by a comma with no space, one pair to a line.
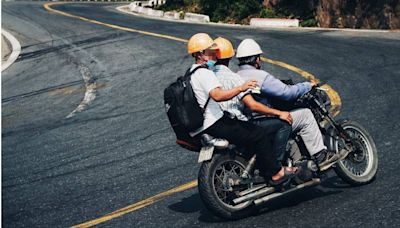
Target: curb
[274,22]
[125,9]
[16,49]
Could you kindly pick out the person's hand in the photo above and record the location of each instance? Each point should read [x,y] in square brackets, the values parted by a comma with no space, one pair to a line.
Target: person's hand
[250,84]
[285,116]
[313,83]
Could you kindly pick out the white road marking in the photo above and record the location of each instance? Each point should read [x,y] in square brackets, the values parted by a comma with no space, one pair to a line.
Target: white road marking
[16,49]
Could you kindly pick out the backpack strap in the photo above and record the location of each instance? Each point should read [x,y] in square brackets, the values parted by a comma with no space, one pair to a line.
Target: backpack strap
[205,106]
[189,73]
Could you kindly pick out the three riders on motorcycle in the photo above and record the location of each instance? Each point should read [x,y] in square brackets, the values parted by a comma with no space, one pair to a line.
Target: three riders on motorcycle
[223,94]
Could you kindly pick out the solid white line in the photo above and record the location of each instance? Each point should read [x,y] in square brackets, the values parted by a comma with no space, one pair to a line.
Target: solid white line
[16,49]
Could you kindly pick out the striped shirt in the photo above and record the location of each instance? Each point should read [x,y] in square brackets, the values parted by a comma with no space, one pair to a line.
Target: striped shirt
[230,80]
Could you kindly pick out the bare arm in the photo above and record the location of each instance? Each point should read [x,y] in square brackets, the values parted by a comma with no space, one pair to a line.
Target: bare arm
[219,94]
[256,106]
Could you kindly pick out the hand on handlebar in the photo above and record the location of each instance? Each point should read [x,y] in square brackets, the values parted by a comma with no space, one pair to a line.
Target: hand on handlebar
[314,83]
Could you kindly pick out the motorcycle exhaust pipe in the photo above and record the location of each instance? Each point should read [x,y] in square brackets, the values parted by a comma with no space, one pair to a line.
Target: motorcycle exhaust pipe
[253,189]
[269,197]
[262,192]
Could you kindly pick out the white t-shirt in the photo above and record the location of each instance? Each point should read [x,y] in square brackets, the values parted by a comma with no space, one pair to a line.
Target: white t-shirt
[203,81]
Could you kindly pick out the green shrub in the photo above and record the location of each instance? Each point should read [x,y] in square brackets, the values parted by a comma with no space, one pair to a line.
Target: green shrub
[176,5]
[268,13]
[309,23]
[223,10]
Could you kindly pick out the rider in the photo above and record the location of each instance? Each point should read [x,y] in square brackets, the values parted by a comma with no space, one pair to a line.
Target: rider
[216,124]
[248,53]
[278,122]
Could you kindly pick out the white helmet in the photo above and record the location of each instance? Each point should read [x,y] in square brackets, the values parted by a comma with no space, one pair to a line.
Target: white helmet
[248,47]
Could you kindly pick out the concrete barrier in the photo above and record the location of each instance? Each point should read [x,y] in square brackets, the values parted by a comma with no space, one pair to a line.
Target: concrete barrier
[274,22]
[196,17]
[133,7]
[151,3]
[172,15]
[155,13]
[143,10]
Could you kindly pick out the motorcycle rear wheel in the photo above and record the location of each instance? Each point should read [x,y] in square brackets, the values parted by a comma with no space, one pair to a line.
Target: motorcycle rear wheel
[214,189]
[360,166]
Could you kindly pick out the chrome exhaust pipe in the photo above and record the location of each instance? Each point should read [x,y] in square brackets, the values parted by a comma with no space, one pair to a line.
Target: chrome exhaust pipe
[314,181]
[250,190]
[256,194]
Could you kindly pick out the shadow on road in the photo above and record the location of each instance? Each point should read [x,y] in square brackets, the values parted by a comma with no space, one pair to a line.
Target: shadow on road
[294,199]
[335,183]
[193,204]
[330,186]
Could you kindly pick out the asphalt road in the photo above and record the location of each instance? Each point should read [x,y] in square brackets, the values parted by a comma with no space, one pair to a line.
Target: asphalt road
[118,148]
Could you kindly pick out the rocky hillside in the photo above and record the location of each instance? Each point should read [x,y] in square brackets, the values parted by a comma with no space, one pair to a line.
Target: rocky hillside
[371,14]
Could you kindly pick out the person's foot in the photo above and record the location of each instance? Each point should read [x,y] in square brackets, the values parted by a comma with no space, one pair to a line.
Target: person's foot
[211,141]
[326,158]
[219,143]
[285,174]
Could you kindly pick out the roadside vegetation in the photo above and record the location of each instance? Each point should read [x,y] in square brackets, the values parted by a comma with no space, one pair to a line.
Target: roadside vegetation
[370,14]
[234,11]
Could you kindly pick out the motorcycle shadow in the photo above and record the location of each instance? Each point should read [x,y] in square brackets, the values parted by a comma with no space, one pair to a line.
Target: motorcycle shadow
[294,199]
[329,186]
[335,182]
[193,204]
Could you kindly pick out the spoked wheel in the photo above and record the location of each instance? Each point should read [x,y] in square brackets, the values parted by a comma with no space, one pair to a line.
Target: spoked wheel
[217,187]
[361,164]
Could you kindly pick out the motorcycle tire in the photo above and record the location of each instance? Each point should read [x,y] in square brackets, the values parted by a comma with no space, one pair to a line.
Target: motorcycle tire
[209,186]
[359,167]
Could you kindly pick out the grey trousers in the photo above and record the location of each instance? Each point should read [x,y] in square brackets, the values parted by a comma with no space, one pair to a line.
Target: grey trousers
[305,123]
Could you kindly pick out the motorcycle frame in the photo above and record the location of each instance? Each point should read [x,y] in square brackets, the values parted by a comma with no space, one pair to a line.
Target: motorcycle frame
[313,103]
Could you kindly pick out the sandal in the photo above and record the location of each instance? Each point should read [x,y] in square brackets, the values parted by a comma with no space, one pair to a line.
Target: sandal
[288,173]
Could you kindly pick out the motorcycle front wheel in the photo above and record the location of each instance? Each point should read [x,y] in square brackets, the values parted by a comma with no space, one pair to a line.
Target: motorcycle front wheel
[215,185]
[361,165]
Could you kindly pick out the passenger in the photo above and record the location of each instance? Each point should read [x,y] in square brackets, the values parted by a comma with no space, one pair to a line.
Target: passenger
[274,121]
[249,56]
[241,133]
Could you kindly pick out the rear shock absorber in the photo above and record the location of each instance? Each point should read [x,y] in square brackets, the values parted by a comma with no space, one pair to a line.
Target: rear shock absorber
[249,168]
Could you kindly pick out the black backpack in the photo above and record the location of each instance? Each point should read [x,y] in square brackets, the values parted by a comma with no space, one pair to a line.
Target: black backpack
[183,111]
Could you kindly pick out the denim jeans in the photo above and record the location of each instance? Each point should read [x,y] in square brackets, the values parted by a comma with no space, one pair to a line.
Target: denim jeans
[281,131]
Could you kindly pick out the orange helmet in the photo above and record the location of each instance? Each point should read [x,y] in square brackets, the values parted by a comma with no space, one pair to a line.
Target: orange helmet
[200,42]
[225,48]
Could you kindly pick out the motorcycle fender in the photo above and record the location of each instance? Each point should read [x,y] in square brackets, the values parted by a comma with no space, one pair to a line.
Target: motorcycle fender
[206,153]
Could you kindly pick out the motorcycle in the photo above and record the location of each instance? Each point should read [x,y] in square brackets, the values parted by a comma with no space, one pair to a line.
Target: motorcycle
[229,183]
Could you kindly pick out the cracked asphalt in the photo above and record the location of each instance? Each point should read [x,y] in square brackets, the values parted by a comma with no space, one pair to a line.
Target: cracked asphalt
[119,150]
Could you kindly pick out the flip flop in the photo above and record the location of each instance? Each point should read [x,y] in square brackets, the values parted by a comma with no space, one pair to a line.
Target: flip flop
[287,175]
